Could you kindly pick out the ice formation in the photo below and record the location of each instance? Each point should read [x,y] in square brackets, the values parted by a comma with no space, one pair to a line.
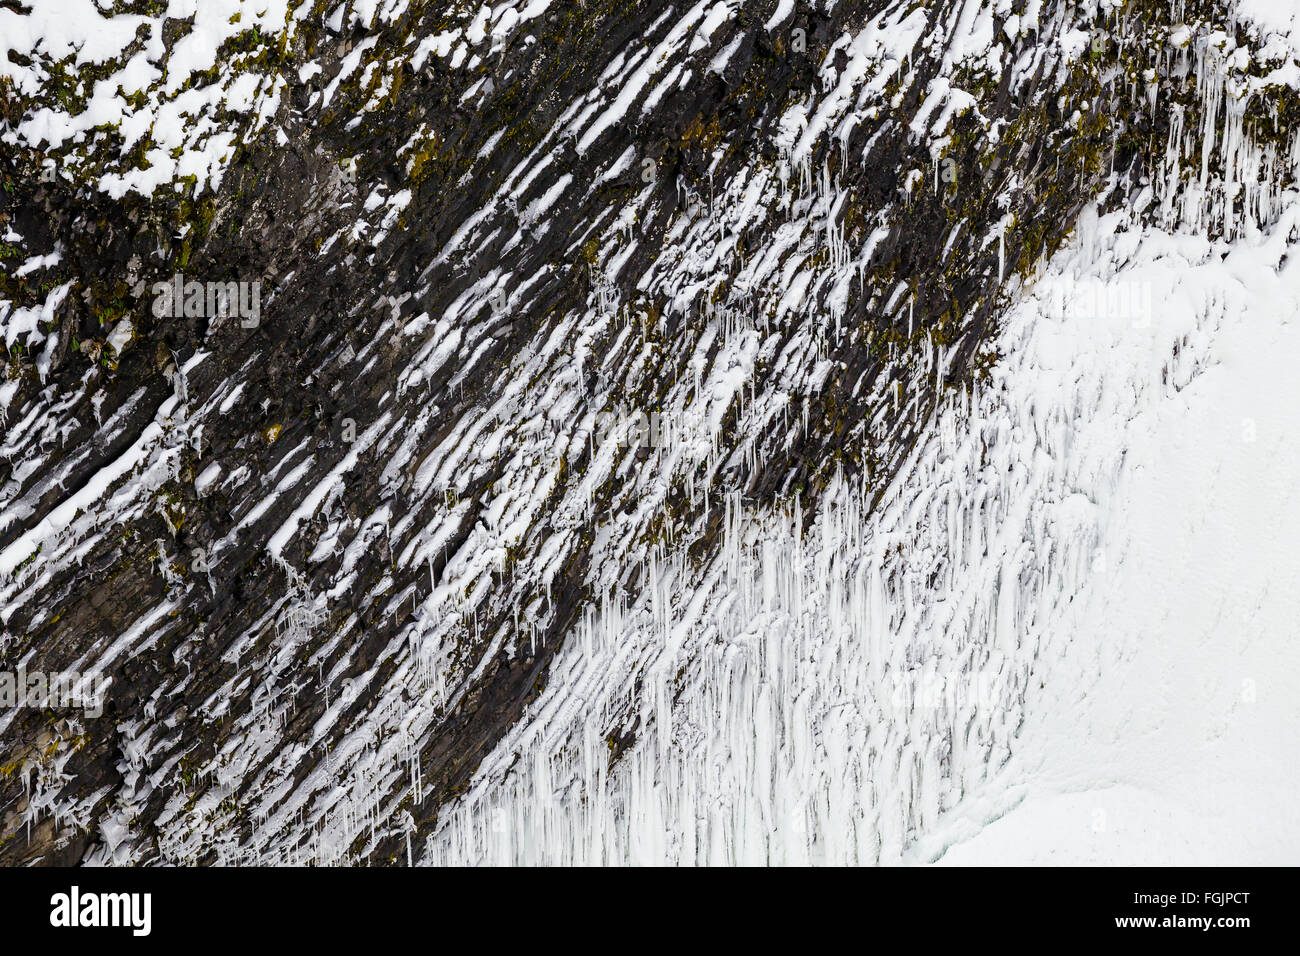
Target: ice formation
[786,507]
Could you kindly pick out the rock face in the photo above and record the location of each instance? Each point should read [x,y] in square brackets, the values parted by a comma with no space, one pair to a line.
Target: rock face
[361,354]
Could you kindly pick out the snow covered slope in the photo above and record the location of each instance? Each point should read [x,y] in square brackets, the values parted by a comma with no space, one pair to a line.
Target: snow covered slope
[719,432]
[1069,636]
[1165,728]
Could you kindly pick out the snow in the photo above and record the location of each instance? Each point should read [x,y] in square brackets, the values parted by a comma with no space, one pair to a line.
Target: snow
[1064,634]
[1173,712]
[182,123]
[1123,573]
[1092,559]
[92,491]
